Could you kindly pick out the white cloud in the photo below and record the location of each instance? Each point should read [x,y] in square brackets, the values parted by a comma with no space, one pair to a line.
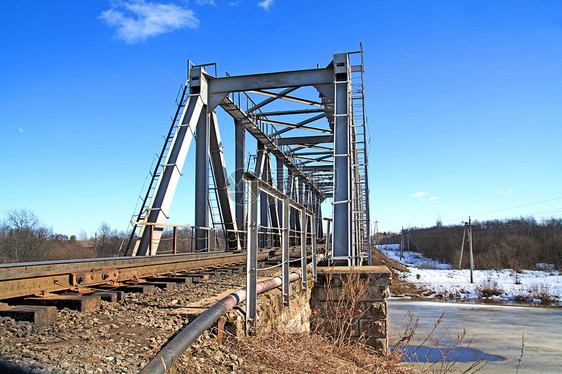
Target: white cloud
[423,196]
[137,20]
[20,130]
[234,3]
[265,4]
[206,2]
[501,192]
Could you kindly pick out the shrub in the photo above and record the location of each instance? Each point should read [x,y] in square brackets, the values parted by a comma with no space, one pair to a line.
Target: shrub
[543,293]
[488,288]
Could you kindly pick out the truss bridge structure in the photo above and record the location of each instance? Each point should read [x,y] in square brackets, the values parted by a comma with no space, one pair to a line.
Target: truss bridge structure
[302,132]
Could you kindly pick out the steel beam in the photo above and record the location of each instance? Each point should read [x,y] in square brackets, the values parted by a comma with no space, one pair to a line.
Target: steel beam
[280,186]
[240,161]
[231,108]
[285,250]
[287,97]
[252,249]
[271,80]
[202,182]
[273,212]
[300,124]
[304,253]
[288,112]
[159,206]
[342,160]
[271,99]
[290,126]
[306,140]
[222,185]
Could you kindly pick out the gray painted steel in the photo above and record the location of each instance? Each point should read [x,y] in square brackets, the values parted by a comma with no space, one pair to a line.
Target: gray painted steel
[202,182]
[342,207]
[169,177]
[322,155]
[240,163]
[252,264]
[285,250]
[303,250]
[222,185]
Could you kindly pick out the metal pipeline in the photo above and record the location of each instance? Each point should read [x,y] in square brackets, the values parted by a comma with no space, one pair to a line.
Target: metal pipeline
[189,334]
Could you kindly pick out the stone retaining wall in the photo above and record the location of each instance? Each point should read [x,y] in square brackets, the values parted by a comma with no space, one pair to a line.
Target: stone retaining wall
[273,315]
[350,303]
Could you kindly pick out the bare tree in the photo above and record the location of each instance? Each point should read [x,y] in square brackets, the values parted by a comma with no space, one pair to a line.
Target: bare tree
[23,237]
[107,240]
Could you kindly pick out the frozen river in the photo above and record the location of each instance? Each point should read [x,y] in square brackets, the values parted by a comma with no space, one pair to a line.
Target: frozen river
[495,331]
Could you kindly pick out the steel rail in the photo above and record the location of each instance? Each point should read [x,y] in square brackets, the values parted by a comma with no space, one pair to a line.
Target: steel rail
[24,279]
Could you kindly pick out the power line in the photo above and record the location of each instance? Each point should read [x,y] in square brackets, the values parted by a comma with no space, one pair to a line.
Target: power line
[519,206]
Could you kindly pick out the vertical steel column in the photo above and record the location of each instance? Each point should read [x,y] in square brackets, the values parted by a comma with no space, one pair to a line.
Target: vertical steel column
[274,240]
[290,192]
[222,186]
[285,249]
[170,173]
[252,249]
[280,185]
[313,244]
[264,207]
[174,243]
[328,241]
[342,207]
[202,181]
[240,167]
[303,249]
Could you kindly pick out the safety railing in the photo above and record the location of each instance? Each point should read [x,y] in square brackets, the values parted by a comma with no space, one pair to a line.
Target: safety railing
[183,238]
[255,186]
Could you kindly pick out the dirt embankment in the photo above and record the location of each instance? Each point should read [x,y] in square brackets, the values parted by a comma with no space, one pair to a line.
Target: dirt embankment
[398,287]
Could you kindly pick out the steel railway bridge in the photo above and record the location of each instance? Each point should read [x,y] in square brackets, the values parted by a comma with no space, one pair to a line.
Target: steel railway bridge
[311,147]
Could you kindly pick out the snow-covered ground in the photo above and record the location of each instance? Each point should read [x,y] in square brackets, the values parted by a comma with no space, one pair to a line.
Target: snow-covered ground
[440,280]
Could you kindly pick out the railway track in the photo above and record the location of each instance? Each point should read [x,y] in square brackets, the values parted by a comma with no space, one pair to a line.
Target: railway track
[39,278]
[117,336]
[59,313]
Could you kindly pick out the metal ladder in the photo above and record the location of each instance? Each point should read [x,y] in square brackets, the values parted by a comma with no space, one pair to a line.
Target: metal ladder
[215,213]
[147,192]
[360,190]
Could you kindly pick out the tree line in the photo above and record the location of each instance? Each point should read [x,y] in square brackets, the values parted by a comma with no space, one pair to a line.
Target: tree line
[519,243]
[24,238]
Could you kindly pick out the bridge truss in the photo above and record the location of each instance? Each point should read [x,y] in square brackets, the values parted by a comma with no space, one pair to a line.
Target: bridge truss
[309,125]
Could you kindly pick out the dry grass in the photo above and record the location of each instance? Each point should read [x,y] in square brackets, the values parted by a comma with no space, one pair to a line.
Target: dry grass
[543,293]
[489,288]
[310,352]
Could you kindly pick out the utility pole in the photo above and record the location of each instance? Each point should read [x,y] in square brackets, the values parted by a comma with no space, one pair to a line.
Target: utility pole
[462,246]
[470,248]
[402,243]
[468,229]
[408,239]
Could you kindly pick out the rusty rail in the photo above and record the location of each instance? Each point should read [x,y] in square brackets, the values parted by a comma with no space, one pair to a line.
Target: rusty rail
[29,278]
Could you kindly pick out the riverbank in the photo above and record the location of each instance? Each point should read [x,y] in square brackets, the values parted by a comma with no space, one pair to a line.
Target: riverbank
[425,278]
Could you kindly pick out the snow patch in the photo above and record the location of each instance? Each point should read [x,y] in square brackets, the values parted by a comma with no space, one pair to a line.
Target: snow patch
[441,281]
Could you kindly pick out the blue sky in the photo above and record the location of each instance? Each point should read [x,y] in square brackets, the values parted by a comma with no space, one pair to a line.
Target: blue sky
[469,122]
